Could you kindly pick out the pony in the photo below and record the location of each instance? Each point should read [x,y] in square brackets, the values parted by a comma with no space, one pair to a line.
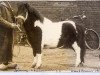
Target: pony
[41,31]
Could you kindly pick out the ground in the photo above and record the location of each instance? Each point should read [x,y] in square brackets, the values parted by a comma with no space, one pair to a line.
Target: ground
[56,60]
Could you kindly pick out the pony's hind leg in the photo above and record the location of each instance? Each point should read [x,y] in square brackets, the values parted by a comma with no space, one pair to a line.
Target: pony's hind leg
[83,51]
[78,51]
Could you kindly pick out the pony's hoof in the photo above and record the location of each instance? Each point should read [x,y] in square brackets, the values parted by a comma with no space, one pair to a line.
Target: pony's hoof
[33,65]
[3,67]
[37,67]
[80,65]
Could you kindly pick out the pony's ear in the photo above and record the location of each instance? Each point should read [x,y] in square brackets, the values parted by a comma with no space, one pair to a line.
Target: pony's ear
[26,5]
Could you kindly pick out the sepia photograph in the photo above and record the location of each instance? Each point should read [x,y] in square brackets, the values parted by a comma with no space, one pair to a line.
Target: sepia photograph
[50,36]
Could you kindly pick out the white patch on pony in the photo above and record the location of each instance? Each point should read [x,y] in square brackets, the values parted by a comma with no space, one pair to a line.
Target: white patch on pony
[39,62]
[35,61]
[22,17]
[77,50]
[38,23]
[51,31]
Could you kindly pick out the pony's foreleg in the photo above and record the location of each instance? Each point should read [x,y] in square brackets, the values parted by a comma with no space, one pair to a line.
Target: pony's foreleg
[38,46]
[78,51]
[35,59]
[39,61]
[39,56]
[34,62]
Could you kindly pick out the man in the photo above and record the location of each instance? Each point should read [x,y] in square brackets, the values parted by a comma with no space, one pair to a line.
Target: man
[6,37]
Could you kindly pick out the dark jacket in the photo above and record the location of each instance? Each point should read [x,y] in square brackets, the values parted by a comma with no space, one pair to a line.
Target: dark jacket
[6,35]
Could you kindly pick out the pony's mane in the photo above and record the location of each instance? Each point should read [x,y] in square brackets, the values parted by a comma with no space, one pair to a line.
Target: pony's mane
[33,12]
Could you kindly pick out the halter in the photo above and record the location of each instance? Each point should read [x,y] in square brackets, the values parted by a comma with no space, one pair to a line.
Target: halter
[21,17]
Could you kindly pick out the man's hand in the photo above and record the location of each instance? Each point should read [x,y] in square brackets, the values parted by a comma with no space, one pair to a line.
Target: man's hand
[14,26]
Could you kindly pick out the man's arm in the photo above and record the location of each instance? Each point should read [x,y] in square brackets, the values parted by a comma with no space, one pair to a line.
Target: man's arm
[5,23]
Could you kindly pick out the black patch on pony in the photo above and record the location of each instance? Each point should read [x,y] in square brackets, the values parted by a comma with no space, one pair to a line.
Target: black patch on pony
[68,35]
[21,9]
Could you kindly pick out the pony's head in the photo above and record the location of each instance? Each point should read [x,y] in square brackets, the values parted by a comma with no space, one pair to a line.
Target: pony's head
[22,13]
[26,12]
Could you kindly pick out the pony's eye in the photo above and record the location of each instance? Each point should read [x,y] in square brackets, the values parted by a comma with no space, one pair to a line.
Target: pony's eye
[19,21]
